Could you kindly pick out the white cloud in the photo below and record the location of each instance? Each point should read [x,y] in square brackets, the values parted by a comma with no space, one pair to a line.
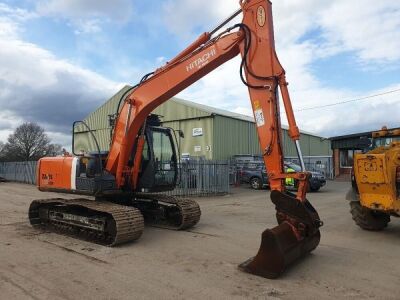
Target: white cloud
[4,133]
[10,18]
[183,17]
[222,88]
[364,115]
[243,110]
[293,18]
[161,60]
[117,10]
[7,28]
[88,26]
[37,86]
[370,28]
[88,15]
[16,14]
[367,29]
[8,121]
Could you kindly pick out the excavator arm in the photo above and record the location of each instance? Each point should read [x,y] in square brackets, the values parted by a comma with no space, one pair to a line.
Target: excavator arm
[260,70]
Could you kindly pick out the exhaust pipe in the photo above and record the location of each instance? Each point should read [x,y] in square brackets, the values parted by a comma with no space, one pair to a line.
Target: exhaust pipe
[296,235]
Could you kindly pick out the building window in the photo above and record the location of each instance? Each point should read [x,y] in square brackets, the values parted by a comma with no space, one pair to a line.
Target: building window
[347,157]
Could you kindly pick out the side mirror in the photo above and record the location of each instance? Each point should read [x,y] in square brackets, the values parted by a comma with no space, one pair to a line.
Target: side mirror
[181,134]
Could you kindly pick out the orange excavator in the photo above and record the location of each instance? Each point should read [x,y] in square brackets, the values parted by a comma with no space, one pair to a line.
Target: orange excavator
[143,160]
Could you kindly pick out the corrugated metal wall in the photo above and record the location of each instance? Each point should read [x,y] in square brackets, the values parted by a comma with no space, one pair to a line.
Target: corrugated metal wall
[23,171]
[222,136]
[169,111]
[310,145]
[85,142]
[199,146]
[226,144]
[232,136]
[172,111]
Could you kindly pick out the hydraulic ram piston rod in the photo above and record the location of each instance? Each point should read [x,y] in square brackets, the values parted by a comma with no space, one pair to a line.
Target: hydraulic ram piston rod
[303,167]
[223,23]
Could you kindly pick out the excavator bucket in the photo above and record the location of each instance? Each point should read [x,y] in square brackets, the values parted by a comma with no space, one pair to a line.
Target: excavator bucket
[296,235]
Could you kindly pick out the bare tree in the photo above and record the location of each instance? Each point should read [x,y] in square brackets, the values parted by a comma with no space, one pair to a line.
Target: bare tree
[54,150]
[1,150]
[29,142]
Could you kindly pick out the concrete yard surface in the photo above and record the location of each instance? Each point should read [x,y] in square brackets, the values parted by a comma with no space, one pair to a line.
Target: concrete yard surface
[201,263]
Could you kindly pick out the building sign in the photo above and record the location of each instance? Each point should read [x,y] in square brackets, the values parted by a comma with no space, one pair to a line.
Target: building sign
[185,156]
[197,131]
[197,148]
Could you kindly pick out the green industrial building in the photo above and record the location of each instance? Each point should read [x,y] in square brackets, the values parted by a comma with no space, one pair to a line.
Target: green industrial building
[209,132]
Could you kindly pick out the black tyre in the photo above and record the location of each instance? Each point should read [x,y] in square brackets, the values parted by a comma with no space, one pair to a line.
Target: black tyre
[314,188]
[256,183]
[368,219]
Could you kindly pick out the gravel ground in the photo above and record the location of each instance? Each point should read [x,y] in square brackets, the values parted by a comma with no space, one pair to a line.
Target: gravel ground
[200,263]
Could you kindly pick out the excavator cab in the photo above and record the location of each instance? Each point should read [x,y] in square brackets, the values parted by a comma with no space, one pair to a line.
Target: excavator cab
[159,167]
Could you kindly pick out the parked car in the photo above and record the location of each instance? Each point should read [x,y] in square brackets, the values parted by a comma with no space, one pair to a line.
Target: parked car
[254,174]
[243,160]
[316,181]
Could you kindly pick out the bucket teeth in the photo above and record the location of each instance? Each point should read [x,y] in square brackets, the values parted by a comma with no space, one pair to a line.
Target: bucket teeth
[296,235]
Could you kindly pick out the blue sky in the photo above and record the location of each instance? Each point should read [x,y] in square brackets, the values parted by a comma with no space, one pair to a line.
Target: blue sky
[61,59]
[104,46]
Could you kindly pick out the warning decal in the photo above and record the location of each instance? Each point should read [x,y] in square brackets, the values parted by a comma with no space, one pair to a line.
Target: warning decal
[259,116]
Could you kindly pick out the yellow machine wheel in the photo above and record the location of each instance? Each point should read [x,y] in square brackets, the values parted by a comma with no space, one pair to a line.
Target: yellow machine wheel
[368,219]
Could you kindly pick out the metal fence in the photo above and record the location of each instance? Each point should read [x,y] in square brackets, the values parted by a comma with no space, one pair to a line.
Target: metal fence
[196,177]
[202,178]
[19,171]
[326,169]
[322,164]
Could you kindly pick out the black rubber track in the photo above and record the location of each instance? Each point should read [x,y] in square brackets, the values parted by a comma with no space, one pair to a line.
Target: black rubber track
[129,223]
[189,210]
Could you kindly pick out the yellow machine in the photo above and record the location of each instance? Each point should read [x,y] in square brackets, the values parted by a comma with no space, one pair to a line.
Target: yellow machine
[375,193]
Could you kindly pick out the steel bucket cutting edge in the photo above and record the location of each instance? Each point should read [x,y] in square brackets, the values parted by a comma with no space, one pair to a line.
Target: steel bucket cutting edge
[284,244]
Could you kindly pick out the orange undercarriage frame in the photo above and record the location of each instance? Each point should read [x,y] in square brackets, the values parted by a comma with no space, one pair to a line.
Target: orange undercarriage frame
[261,71]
